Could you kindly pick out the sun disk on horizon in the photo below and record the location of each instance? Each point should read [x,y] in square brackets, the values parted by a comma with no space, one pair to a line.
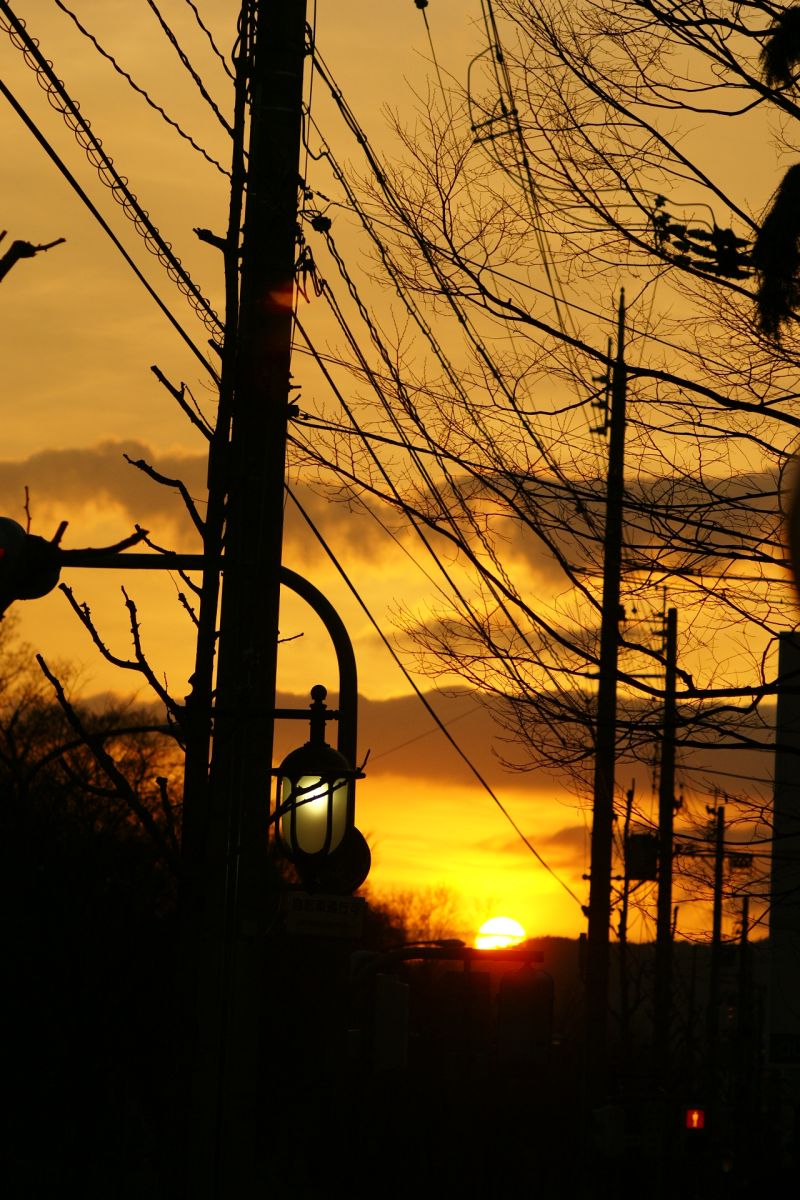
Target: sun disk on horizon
[498,933]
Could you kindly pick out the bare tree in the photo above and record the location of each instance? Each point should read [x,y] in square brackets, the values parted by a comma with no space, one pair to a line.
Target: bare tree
[518,208]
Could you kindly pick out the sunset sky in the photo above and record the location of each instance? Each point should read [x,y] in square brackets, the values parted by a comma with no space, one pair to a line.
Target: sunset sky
[79,334]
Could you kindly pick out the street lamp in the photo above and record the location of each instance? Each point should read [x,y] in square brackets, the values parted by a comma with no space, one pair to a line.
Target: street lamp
[316,809]
[315,790]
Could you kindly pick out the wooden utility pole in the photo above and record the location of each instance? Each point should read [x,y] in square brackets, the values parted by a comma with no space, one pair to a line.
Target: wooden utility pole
[666,813]
[715,982]
[597,959]
[624,981]
[784,912]
[228,1117]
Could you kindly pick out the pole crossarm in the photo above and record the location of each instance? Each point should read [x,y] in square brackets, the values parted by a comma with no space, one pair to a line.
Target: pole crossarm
[105,560]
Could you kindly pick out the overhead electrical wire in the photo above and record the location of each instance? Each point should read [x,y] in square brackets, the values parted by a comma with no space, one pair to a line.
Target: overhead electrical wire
[72,181]
[504,589]
[502,592]
[447,292]
[59,98]
[140,90]
[382,180]
[231,75]
[393,274]
[480,476]
[455,491]
[609,319]
[411,516]
[172,39]
[499,597]
[155,10]
[422,8]
[424,700]
[325,290]
[511,112]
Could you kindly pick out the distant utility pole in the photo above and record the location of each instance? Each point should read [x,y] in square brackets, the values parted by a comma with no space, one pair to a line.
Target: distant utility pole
[666,813]
[624,981]
[715,982]
[229,1119]
[597,959]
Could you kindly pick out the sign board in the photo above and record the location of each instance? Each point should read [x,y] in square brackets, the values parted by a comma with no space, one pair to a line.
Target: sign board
[322,915]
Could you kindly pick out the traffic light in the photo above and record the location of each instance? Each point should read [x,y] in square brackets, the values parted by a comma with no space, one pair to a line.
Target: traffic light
[694,1139]
[29,566]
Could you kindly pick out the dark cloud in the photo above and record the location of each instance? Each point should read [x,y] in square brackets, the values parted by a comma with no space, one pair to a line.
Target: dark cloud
[68,481]
[404,741]
[565,847]
[63,483]
[723,514]
[347,524]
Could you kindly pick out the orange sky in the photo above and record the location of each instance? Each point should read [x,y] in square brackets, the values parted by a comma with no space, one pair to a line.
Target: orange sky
[79,336]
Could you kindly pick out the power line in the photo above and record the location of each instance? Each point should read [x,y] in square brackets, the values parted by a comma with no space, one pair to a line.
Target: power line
[570,342]
[72,181]
[141,91]
[425,702]
[210,37]
[107,172]
[172,39]
[501,584]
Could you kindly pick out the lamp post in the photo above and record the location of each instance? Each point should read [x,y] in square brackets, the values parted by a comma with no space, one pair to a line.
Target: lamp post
[315,793]
[315,807]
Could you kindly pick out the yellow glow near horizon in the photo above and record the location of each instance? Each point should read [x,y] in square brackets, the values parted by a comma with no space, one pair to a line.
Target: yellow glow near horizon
[498,933]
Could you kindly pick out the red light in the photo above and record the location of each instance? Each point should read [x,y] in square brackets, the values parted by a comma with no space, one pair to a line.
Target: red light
[695,1118]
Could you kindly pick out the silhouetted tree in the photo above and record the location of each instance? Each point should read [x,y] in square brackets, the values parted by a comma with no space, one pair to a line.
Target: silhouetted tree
[88,899]
[519,206]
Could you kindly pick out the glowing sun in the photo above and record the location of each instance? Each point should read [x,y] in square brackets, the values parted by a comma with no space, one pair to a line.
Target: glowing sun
[499,933]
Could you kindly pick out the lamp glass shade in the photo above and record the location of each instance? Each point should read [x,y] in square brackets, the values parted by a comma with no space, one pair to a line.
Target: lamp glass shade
[315,798]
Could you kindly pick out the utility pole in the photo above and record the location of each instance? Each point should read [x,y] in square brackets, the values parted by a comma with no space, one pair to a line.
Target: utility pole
[784,914]
[597,959]
[714,989]
[228,1114]
[666,812]
[624,990]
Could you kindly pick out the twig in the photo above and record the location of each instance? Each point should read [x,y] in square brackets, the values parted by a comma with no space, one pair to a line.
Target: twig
[139,663]
[179,395]
[125,544]
[182,600]
[148,541]
[142,663]
[19,249]
[84,615]
[181,487]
